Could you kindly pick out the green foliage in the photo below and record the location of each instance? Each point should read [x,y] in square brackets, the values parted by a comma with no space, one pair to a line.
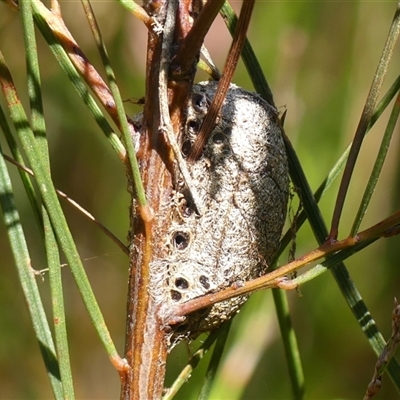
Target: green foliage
[320,71]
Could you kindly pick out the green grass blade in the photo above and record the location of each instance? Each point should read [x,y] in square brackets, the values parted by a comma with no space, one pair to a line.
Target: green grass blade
[53,207]
[339,271]
[386,99]
[290,344]
[26,275]
[25,177]
[77,81]
[39,128]
[141,196]
[213,365]
[365,120]
[191,365]
[33,74]
[339,165]
[60,331]
[380,159]
[137,11]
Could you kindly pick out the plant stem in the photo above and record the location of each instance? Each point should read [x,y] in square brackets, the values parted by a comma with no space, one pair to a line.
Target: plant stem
[146,348]
[365,120]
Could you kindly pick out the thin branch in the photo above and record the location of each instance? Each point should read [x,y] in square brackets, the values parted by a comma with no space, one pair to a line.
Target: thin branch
[277,278]
[166,124]
[253,66]
[195,38]
[92,78]
[223,85]
[387,354]
[365,121]
[378,165]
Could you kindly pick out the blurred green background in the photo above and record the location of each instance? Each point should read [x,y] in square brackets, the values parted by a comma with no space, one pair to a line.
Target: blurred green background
[319,58]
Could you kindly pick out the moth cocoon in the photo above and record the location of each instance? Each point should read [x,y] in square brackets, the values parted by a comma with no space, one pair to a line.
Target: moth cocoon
[242,181]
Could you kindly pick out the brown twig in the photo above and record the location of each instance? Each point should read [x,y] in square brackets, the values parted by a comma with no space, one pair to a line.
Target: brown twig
[190,46]
[223,85]
[165,119]
[81,62]
[277,278]
[145,348]
[387,353]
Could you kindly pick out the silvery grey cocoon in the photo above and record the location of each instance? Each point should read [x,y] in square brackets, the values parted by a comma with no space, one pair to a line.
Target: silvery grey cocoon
[242,183]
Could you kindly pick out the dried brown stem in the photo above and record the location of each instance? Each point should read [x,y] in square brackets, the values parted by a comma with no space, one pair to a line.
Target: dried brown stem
[146,347]
[191,45]
[165,119]
[387,354]
[81,62]
[145,344]
[277,278]
[229,69]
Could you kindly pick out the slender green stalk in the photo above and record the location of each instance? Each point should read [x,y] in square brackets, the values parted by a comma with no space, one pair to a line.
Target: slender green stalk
[290,344]
[77,81]
[26,275]
[39,129]
[137,11]
[53,207]
[33,74]
[25,178]
[365,120]
[339,271]
[380,159]
[191,365]
[141,196]
[53,262]
[213,365]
